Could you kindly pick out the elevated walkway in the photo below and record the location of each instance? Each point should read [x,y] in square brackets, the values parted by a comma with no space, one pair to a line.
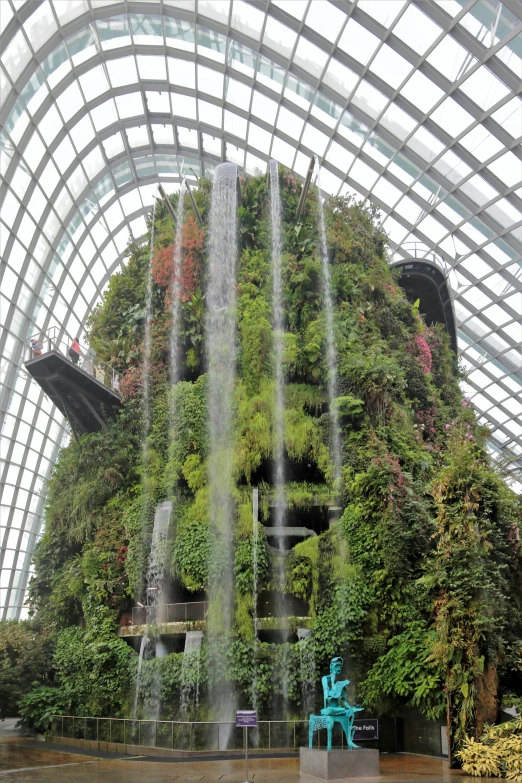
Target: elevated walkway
[287,537]
[179,619]
[425,278]
[85,391]
[182,628]
[301,523]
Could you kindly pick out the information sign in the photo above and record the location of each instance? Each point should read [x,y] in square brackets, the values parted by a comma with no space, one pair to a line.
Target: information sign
[367,729]
[246,718]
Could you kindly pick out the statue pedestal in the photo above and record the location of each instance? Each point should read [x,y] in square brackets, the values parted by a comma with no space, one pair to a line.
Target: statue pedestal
[339,764]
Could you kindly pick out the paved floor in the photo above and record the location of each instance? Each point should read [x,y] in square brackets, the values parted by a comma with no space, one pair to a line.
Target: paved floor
[7,729]
[25,760]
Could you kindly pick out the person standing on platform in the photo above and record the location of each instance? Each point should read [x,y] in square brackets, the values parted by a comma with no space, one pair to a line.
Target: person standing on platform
[36,346]
[74,351]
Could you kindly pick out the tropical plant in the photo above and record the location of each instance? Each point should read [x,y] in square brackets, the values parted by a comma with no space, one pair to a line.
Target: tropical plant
[498,752]
[38,707]
[408,671]
[25,659]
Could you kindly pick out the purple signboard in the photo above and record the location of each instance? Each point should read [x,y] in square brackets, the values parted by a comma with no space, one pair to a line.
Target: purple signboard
[246,718]
[366,729]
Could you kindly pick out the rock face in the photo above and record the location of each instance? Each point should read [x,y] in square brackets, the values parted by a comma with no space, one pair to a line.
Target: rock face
[487,698]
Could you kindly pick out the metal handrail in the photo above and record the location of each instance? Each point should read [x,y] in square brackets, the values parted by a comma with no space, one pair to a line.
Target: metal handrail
[56,339]
[419,251]
[157,614]
[167,610]
[129,731]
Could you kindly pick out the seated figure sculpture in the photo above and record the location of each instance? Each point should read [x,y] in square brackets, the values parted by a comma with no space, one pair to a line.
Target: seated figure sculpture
[336,707]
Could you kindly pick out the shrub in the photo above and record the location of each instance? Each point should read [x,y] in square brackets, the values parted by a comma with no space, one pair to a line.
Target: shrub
[498,753]
[38,707]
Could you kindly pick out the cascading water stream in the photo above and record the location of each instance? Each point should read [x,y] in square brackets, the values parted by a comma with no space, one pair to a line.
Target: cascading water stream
[148,688]
[330,340]
[175,289]
[221,357]
[190,675]
[145,383]
[145,372]
[255,597]
[279,401]
[307,669]
[255,544]
[278,327]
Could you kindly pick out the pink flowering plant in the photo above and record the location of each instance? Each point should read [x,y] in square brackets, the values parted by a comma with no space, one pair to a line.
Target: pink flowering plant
[422,352]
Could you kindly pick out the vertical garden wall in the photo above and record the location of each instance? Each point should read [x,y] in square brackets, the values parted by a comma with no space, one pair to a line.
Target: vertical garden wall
[413,572]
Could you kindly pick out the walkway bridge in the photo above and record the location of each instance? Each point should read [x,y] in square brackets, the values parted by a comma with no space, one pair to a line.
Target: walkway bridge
[424,276]
[84,389]
[172,622]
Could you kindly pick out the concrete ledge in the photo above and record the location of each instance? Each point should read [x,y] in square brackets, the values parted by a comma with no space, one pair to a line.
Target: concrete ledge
[163,629]
[339,764]
[143,750]
[171,629]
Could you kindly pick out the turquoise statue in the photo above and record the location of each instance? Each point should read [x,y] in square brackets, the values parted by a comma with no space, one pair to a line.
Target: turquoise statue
[336,707]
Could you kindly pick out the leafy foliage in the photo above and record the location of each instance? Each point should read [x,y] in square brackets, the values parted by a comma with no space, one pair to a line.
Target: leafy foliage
[408,670]
[192,243]
[469,570]
[498,753]
[38,707]
[94,668]
[25,660]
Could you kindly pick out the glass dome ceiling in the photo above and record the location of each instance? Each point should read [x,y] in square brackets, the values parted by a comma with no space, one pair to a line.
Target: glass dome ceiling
[414,105]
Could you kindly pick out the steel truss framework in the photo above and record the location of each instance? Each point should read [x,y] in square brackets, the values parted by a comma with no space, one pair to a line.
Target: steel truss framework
[413,105]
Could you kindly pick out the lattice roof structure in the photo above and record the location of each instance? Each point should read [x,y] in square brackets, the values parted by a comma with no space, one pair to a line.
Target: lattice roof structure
[413,104]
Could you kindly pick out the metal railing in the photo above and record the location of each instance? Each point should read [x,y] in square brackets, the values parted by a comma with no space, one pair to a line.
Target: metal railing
[55,339]
[419,251]
[169,613]
[196,736]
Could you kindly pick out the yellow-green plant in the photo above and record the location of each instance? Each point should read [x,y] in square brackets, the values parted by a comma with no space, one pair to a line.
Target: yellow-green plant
[498,753]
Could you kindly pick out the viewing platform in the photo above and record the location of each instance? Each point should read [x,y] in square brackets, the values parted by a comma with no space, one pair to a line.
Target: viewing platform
[182,628]
[423,276]
[181,618]
[161,629]
[301,523]
[82,386]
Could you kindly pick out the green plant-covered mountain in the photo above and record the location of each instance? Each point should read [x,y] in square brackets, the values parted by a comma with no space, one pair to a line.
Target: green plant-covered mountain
[418,584]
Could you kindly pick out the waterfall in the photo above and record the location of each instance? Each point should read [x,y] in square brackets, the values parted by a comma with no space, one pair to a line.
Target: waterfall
[221,358]
[278,327]
[190,675]
[145,372]
[138,685]
[255,542]
[307,669]
[147,646]
[331,352]
[279,407]
[175,289]
[148,688]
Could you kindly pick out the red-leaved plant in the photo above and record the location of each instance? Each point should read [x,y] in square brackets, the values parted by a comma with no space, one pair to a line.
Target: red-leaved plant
[192,242]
